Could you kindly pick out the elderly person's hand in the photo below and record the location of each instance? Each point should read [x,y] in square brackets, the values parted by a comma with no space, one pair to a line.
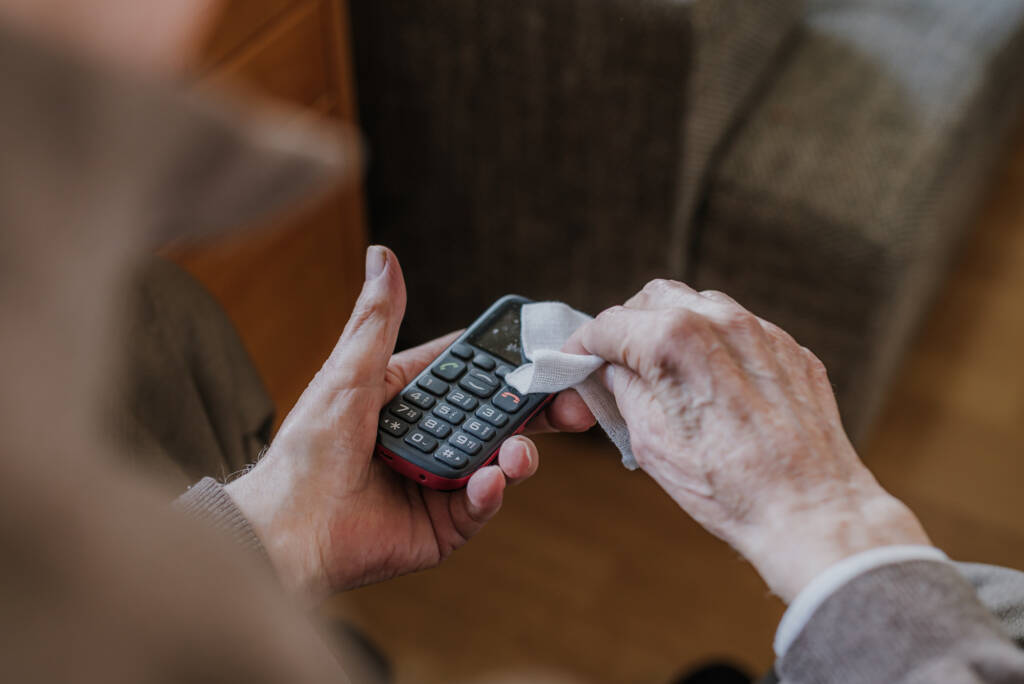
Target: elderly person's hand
[738,423]
[331,516]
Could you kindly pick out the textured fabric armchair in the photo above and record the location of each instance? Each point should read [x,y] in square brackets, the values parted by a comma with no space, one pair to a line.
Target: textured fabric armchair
[817,160]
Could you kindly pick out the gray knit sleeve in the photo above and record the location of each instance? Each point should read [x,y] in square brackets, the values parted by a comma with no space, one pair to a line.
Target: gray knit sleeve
[207,502]
[906,623]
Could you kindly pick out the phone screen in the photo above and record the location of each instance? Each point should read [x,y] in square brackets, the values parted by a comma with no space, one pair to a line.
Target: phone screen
[501,336]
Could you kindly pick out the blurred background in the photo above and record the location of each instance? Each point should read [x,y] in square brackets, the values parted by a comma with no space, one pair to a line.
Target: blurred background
[852,170]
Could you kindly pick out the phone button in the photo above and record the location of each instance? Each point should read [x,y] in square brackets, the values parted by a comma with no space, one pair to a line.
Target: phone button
[484,361]
[508,400]
[503,370]
[436,427]
[462,350]
[463,441]
[422,441]
[491,415]
[417,398]
[432,385]
[479,383]
[462,400]
[393,426]
[478,428]
[451,456]
[449,413]
[449,369]
[405,411]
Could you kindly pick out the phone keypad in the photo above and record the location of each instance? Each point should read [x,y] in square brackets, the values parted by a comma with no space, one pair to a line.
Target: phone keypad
[464,419]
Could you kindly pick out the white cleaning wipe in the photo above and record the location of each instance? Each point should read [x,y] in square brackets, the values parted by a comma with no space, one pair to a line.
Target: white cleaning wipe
[545,328]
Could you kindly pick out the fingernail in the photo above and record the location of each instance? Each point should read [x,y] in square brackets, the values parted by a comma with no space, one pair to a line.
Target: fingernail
[376,260]
[524,449]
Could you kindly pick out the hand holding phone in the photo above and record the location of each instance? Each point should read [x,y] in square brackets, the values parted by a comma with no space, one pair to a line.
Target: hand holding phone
[452,418]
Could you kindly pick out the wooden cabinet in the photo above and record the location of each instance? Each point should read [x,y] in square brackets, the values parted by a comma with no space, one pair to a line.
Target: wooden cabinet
[288,289]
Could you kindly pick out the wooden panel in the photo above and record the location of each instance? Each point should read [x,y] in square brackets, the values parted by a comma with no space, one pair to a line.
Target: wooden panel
[240,21]
[289,289]
[289,62]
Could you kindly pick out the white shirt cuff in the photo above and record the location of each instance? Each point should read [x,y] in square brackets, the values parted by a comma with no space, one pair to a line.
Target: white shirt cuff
[834,577]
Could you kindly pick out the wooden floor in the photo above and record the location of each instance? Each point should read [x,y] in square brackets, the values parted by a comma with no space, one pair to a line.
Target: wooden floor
[592,574]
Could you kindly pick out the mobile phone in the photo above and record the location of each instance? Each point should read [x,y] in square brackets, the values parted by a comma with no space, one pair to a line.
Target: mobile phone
[450,421]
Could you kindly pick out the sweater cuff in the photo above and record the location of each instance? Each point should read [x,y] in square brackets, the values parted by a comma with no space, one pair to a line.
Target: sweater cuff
[833,578]
[209,503]
[896,623]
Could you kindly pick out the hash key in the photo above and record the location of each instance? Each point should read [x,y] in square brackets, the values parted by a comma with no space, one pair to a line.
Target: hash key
[451,456]
[478,428]
[436,427]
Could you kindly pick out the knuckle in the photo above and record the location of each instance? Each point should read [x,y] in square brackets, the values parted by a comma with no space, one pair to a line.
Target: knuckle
[609,316]
[717,295]
[679,323]
[663,286]
[813,362]
[741,321]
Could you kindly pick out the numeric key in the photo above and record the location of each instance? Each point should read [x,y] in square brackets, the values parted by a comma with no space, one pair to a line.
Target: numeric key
[479,429]
[405,412]
[418,398]
[491,415]
[462,400]
[449,413]
[436,427]
[463,441]
[421,441]
[432,385]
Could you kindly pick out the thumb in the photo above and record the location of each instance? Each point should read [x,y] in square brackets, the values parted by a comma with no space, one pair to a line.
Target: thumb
[361,356]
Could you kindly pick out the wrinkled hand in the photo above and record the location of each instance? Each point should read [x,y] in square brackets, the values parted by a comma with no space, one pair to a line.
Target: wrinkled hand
[331,516]
[739,424]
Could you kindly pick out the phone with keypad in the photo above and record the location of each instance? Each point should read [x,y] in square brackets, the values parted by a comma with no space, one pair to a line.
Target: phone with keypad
[450,421]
